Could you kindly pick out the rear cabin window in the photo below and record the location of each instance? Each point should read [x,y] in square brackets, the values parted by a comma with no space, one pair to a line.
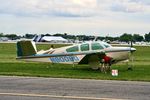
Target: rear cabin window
[96,46]
[73,49]
[84,47]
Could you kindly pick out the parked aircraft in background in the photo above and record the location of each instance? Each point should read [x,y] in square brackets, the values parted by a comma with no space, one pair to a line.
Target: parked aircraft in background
[93,53]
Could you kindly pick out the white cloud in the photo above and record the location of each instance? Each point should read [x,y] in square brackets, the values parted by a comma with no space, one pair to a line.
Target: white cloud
[146,2]
[130,6]
[87,16]
[49,7]
[71,8]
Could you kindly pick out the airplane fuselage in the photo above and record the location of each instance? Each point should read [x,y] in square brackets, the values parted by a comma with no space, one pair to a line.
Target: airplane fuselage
[115,53]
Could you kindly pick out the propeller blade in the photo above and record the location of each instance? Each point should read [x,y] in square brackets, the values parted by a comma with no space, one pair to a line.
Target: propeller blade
[131,58]
[130,61]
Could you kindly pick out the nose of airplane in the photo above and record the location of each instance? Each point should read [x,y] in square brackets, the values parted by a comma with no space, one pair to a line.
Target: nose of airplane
[133,49]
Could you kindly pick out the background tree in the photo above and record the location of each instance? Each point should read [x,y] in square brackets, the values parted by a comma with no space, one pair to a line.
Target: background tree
[29,36]
[1,34]
[137,38]
[147,37]
[126,37]
[109,38]
[47,34]
[11,36]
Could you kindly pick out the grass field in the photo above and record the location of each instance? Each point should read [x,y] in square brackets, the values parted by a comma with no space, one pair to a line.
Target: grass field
[10,66]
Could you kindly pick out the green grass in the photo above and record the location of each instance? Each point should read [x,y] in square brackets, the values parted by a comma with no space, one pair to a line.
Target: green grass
[10,66]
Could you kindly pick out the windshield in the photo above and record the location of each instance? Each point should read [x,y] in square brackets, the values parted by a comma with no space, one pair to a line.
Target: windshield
[106,45]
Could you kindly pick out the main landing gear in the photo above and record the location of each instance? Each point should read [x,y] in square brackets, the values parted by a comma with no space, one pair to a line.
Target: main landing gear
[105,66]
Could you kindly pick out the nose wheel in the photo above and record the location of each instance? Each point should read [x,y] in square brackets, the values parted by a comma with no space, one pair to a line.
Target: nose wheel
[130,68]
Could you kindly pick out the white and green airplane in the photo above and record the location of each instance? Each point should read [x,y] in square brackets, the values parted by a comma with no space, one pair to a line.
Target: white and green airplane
[92,53]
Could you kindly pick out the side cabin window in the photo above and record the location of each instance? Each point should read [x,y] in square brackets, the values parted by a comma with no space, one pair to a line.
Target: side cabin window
[96,46]
[73,49]
[85,47]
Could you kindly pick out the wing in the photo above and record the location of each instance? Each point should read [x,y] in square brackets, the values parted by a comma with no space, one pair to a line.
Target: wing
[86,53]
[95,56]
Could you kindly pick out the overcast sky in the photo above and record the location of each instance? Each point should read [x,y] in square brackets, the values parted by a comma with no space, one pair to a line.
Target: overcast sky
[90,17]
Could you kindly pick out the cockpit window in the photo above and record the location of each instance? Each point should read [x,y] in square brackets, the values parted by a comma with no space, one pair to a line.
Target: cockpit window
[106,45]
[96,46]
[85,47]
[73,49]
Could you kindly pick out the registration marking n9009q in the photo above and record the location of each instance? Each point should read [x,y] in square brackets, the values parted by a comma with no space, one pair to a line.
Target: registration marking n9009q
[64,59]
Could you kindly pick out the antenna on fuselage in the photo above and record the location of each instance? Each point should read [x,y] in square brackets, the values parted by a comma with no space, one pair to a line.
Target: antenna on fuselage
[95,39]
[96,36]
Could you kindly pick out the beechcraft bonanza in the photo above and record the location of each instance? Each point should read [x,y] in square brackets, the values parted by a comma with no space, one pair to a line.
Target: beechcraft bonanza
[97,54]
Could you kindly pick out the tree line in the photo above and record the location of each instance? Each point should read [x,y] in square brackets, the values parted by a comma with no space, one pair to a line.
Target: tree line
[123,38]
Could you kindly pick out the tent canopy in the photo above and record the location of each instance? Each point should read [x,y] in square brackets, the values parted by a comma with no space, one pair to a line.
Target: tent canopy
[53,38]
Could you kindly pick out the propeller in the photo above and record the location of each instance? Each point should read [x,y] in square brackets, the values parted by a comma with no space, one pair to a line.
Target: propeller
[131,55]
